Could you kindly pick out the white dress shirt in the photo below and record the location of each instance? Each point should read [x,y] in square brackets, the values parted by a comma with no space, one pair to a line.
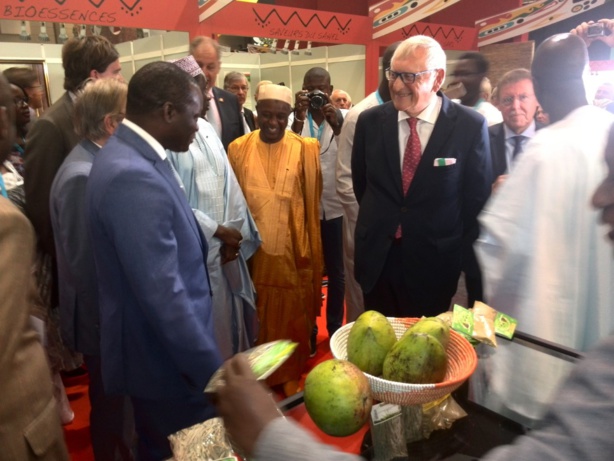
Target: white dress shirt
[425,126]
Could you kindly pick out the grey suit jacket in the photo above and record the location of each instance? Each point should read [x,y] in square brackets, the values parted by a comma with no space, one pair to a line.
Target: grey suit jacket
[79,314]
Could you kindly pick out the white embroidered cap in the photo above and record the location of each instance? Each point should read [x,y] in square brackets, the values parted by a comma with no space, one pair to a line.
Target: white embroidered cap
[278,92]
[189,65]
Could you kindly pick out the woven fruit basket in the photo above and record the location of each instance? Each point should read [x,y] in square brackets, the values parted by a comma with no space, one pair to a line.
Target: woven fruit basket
[462,361]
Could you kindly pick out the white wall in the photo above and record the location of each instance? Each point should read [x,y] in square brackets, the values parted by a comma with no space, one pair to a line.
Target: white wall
[344,62]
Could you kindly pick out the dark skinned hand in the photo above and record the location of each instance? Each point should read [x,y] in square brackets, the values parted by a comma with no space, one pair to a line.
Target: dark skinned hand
[231,242]
[245,404]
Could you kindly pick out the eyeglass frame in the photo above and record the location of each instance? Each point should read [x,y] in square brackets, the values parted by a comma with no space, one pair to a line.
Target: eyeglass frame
[509,101]
[238,88]
[25,101]
[389,73]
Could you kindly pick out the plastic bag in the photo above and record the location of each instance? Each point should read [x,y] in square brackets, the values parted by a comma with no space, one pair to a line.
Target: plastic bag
[205,441]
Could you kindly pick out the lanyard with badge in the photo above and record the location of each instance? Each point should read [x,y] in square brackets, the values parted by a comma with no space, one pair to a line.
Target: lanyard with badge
[3,187]
[320,131]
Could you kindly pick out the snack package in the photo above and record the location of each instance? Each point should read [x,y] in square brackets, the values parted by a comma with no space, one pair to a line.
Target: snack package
[264,360]
[205,441]
[482,323]
[387,434]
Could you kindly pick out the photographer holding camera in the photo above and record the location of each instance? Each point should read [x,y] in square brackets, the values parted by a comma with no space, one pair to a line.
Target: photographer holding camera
[315,116]
[601,30]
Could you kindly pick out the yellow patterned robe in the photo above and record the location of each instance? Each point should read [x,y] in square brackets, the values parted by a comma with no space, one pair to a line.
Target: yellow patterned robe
[282,183]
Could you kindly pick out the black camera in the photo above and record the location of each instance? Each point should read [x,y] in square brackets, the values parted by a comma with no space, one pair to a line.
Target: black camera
[317,99]
[595,30]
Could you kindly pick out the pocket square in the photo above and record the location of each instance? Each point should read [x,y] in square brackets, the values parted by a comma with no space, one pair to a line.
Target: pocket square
[444,161]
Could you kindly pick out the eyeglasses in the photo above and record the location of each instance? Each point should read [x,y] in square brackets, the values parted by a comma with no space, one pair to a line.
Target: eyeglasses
[21,101]
[406,77]
[522,98]
[239,88]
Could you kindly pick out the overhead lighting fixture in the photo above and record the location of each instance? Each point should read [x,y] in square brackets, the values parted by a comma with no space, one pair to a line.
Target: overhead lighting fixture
[295,50]
[83,31]
[308,50]
[42,36]
[63,37]
[274,46]
[286,49]
[24,34]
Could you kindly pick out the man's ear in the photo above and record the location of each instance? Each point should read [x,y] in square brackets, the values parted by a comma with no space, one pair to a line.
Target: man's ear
[94,75]
[439,78]
[168,112]
[110,123]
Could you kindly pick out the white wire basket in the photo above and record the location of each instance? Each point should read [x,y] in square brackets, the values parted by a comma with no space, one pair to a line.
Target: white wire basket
[462,361]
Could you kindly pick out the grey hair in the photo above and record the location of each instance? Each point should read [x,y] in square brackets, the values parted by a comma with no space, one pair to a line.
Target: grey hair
[95,101]
[200,40]
[436,57]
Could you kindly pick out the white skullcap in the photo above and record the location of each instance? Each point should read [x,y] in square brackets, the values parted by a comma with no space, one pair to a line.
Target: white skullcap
[278,92]
[189,65]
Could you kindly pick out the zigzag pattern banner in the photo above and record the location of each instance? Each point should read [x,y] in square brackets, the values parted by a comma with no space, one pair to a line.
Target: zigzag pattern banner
[449,37]
[261,20]
[150,14]
[528,18]
[389,15]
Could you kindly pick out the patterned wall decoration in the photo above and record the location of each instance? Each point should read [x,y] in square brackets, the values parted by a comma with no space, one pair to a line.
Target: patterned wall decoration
[390,15]
[529,17]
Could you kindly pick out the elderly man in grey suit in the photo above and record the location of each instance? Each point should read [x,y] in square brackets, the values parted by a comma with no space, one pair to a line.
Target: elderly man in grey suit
[48,143]
[97,113]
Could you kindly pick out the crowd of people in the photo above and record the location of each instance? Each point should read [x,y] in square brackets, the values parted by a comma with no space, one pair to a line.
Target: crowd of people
[163,228]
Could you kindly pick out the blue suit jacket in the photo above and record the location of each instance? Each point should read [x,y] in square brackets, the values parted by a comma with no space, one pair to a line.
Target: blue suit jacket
[438,214]
[79,315]
[157,336]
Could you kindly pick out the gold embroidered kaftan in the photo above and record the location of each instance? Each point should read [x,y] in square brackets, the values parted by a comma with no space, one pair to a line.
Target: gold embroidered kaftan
[282,183]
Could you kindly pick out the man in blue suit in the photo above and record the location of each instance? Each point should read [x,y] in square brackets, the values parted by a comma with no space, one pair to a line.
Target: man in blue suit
[157,340]
[421,172]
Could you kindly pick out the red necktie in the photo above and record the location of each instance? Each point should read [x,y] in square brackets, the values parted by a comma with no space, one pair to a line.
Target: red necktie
[411,159]
[412,155]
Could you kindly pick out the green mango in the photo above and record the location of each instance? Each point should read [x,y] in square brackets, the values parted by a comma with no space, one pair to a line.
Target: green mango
[338,397]
[370,339]
[416,358]
[432,326]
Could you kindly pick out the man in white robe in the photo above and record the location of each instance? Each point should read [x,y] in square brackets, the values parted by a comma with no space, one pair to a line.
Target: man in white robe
[221,211]
[544,255]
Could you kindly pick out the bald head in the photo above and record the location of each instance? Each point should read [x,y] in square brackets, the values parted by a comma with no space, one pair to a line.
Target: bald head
[560,57]
[317,73]
[558,70]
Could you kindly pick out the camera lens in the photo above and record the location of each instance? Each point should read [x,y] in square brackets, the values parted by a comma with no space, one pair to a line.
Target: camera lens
[317,99]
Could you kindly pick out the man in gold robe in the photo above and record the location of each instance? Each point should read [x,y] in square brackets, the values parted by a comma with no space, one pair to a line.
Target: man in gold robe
[279,173]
